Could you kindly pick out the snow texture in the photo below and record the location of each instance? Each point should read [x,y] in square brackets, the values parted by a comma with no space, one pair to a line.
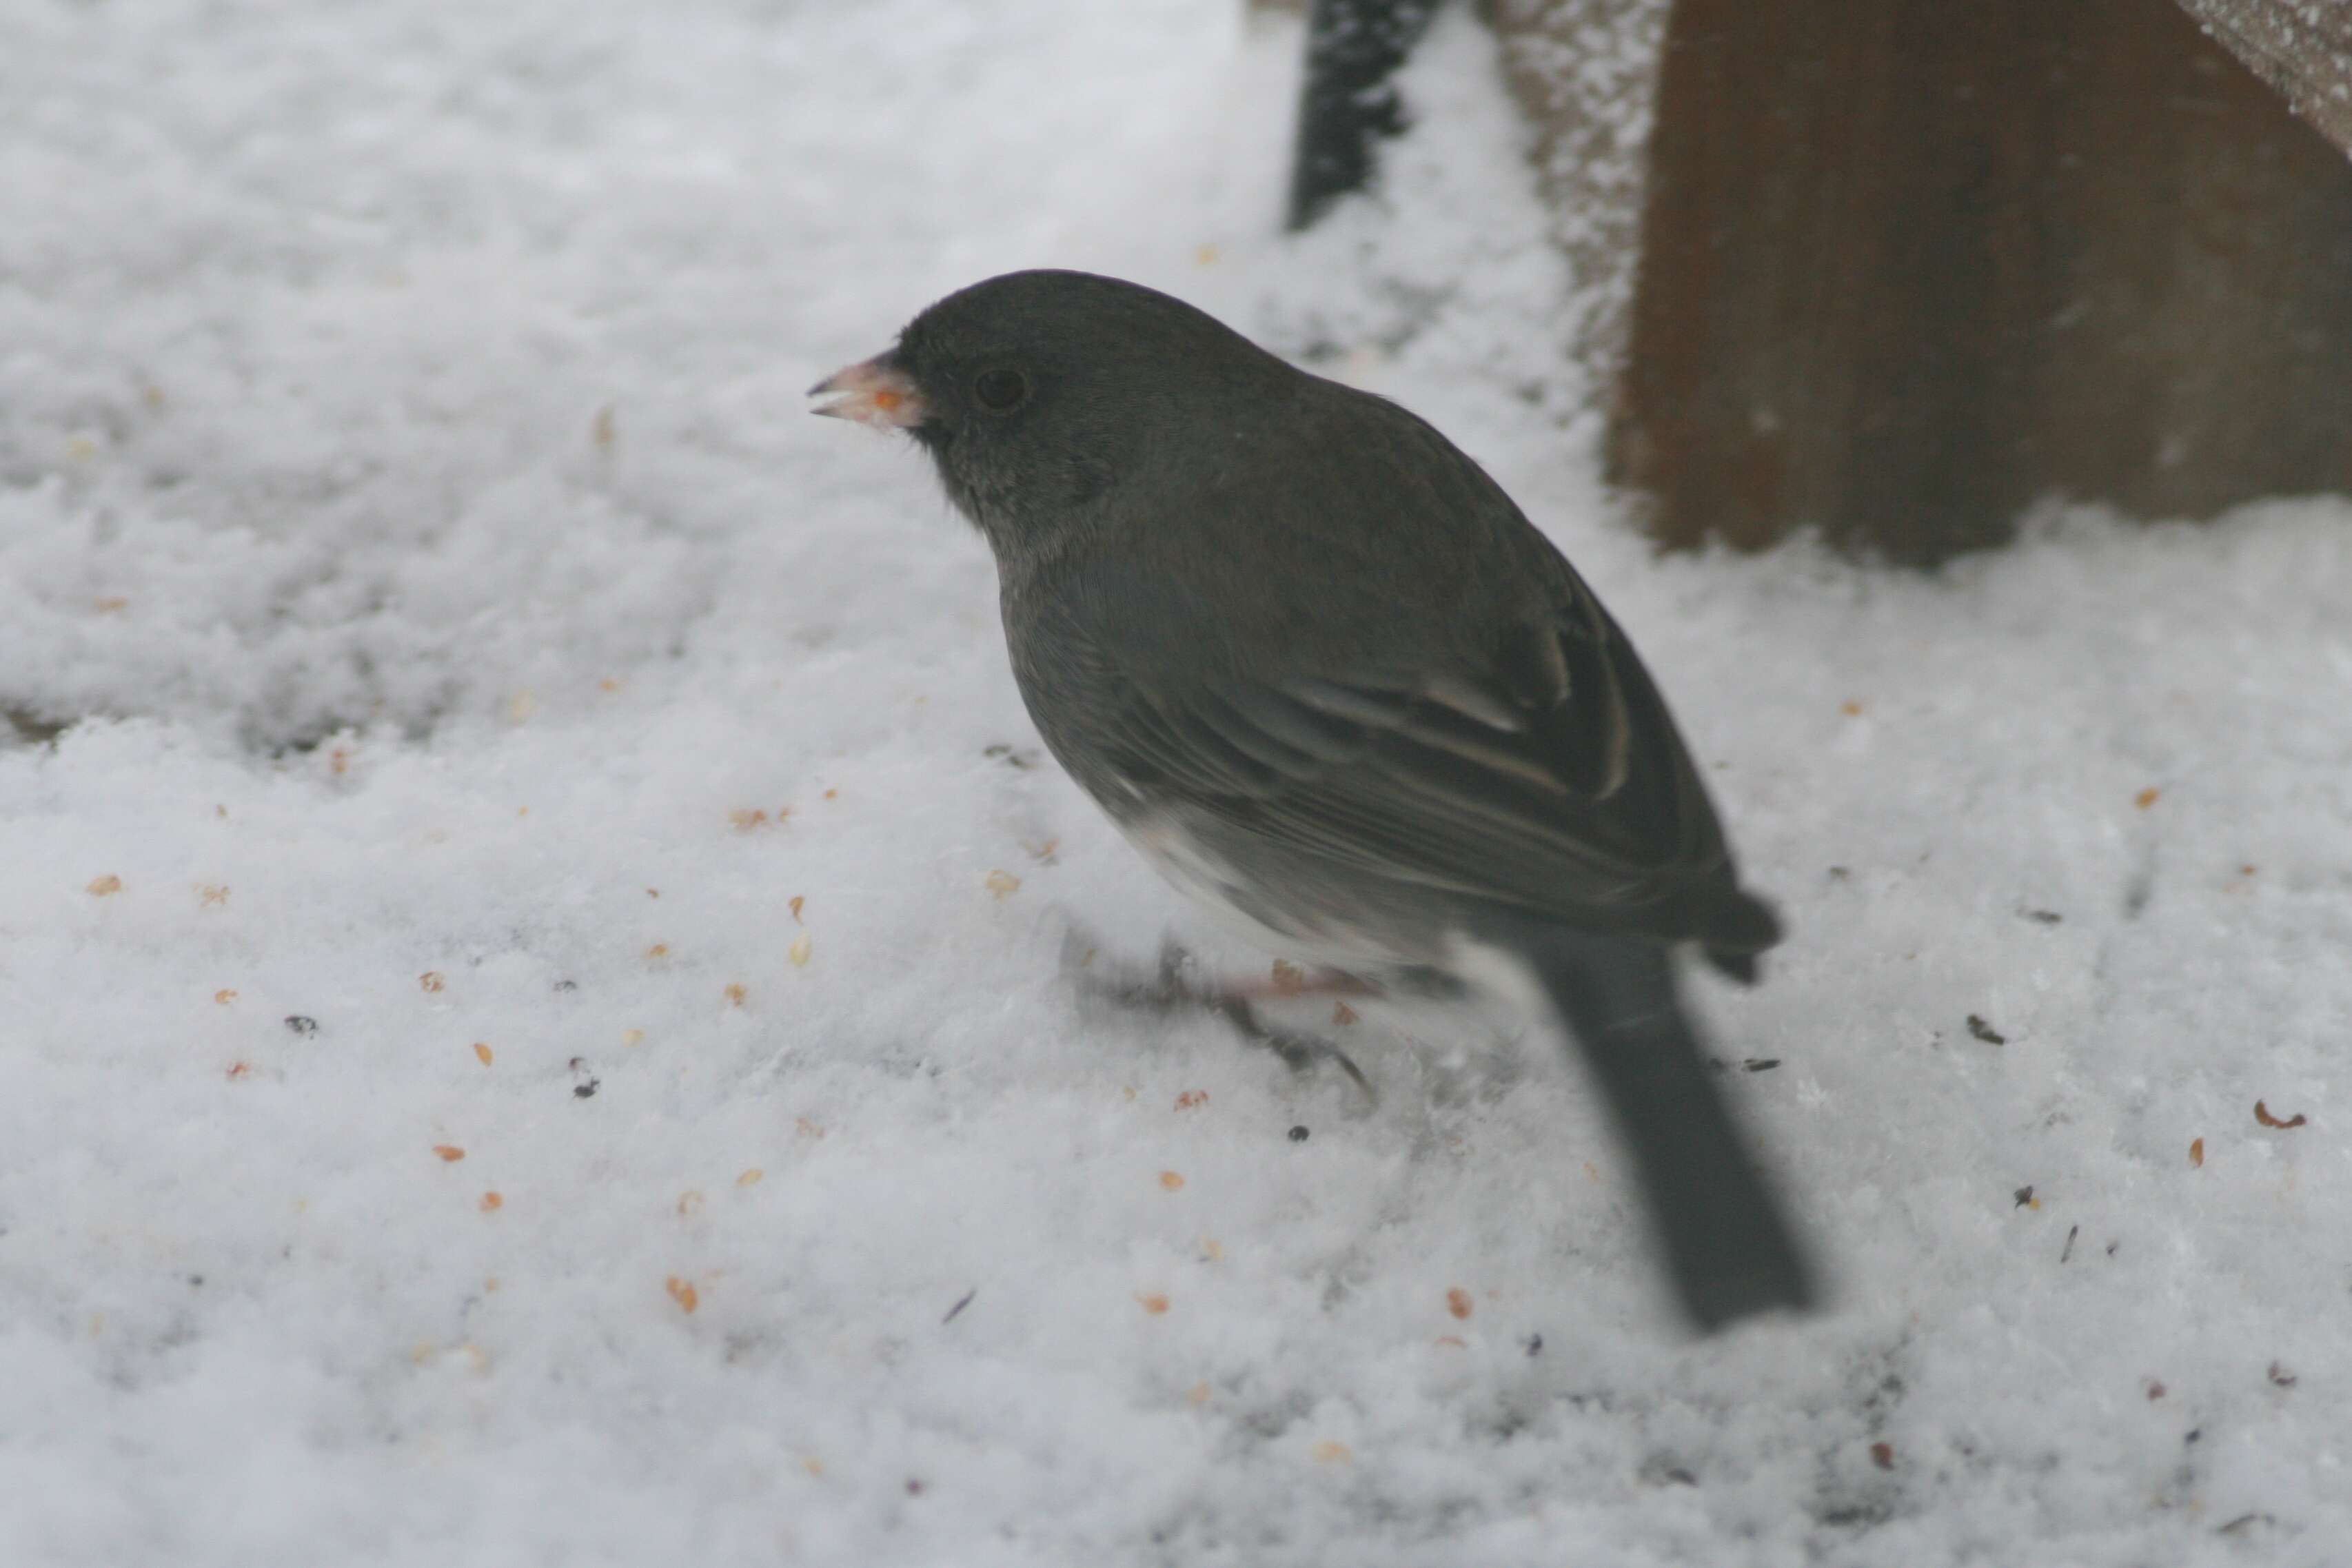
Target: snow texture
[460,706]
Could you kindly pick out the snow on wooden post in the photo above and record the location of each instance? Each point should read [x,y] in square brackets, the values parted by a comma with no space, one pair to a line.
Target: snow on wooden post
[1584,74]
[1907,265]
[2302,48]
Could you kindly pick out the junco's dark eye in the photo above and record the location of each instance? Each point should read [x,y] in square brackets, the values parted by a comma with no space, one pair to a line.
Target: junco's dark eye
[1000,389]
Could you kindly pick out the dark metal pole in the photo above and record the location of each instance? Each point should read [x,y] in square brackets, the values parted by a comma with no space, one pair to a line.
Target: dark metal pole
[1353,47]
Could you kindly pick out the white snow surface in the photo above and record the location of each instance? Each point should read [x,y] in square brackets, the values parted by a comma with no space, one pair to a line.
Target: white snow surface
[467,642]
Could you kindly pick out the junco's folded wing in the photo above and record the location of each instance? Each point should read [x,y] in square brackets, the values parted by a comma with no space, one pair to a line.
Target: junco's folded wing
[1550,783]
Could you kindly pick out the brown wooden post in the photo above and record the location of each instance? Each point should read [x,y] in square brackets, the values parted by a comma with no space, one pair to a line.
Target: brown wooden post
[1909,264]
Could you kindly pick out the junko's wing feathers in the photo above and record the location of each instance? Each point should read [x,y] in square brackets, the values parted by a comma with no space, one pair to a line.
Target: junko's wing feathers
[1550,784]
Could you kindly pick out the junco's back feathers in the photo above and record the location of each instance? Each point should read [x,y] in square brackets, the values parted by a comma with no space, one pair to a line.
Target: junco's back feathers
[1313,660]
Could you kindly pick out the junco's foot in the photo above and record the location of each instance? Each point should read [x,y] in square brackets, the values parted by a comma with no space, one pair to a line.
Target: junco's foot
[1177,982]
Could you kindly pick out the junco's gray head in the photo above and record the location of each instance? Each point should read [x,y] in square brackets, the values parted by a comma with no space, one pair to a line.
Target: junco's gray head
[1037,391]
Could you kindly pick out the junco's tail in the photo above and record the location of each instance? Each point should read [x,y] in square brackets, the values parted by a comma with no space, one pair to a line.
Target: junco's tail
[1730,1251]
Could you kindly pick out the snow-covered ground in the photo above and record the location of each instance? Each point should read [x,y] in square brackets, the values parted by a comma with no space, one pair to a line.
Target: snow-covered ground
[530,985]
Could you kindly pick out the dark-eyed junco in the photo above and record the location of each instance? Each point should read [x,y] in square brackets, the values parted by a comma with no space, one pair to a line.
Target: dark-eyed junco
[1317,666]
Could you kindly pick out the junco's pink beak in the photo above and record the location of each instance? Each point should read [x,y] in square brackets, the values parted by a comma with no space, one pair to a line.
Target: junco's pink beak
[875,392]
